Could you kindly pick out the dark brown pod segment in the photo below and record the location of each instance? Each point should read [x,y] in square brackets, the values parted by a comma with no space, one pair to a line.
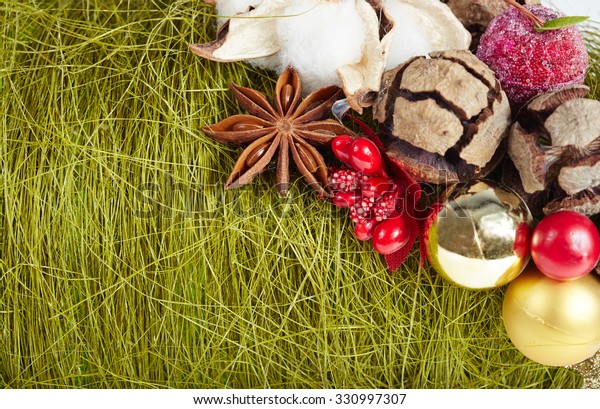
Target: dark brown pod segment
[443,118]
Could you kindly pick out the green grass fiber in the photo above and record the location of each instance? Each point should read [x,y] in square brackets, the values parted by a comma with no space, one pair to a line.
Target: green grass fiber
[125,264]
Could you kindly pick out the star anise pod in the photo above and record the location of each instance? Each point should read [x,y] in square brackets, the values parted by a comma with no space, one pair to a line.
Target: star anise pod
[291,125]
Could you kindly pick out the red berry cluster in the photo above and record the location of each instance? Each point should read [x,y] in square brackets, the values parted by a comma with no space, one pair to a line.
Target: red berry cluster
[371,195]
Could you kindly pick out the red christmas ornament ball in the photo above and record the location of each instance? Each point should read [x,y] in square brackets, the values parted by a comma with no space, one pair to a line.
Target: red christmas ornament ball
[565,245]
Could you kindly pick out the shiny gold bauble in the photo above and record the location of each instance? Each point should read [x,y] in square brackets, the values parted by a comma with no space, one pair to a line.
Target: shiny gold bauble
[553,322]
[480,237]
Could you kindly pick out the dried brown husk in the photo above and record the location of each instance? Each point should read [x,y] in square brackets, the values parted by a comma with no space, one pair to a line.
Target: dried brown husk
[475,15]
[554,152]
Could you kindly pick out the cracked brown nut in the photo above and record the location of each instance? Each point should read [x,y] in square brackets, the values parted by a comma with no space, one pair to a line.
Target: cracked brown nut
[443,119]
[475,15]
[554,151]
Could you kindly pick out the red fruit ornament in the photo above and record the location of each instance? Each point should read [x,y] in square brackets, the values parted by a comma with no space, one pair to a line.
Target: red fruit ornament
[341,147]
[565,245]
[527,62]
[364,230]
[390,235]
[374,198]
[345,200]
[365,157]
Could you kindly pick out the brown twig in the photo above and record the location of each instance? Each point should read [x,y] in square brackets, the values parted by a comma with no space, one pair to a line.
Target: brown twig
[535,19]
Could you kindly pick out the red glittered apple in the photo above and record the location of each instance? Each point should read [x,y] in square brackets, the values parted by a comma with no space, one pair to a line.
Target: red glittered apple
[530,56]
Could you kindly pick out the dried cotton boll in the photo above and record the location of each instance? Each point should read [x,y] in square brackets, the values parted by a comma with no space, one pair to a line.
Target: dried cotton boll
[408,40]
[336,42]
[319,41]
[421,27]
[228,8]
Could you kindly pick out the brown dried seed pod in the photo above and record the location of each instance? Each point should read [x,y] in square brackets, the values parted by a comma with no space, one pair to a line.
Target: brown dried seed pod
[475,15]
[443,118]
[554,152]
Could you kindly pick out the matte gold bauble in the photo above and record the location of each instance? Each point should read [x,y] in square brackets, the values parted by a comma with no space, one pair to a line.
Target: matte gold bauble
[480,237]
[553,322]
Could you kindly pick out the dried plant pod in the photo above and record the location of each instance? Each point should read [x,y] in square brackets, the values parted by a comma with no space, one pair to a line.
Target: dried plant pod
[443,119]
[290,126]
[480,12]
[475,15]
[274,34]
[422,27]
[361,80]
[554,151]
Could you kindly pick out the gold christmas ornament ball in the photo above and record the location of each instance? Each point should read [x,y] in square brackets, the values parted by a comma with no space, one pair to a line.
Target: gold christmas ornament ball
[480,237]
[553,322]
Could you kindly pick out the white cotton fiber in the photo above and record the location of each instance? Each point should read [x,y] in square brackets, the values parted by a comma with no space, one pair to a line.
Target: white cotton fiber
[318,38]
[408,40]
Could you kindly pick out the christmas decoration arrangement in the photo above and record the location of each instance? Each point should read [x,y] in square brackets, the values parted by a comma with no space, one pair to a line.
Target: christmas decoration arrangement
[481,101]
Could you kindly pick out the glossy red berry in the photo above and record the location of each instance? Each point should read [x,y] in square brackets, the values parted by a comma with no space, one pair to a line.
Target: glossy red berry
[363,230]
[565,245]
[365,157]
[345,199]
[376,186]
[390,235]
[340,146]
